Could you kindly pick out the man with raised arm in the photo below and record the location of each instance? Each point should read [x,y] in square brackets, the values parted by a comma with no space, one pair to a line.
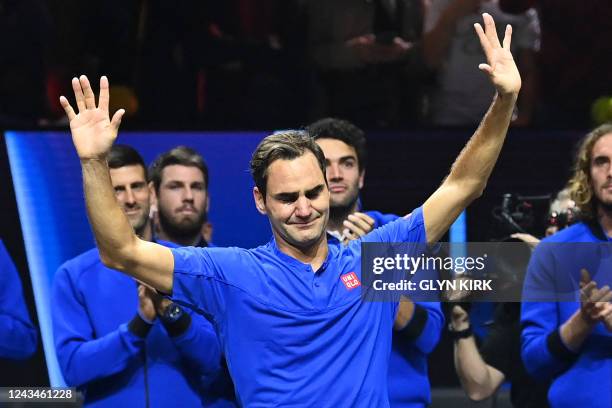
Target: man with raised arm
[294,328]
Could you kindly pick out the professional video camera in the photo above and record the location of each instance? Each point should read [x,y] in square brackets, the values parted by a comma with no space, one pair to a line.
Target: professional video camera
[519,213]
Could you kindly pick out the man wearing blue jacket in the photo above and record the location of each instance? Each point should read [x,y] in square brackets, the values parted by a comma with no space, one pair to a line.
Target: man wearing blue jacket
[570,341]
[17,334]
[117,340]
[344,147]
[179,188]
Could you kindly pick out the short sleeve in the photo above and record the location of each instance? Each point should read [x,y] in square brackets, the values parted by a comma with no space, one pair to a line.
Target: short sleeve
[201,277]
[406,229]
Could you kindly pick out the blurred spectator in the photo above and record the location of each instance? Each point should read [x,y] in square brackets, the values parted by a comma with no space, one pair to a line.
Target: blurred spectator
[173,42]
[223,63]
[463,93]
[18,336]
[575,58]
[256,65]
[366,58]
[24,29]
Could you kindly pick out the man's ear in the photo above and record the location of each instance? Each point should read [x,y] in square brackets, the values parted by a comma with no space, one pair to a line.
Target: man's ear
[259,201]
[152,198]
[361,178]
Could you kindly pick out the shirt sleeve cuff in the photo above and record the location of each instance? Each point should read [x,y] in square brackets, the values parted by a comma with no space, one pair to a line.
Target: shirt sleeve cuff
[415,326]
[139,327]
[557,347]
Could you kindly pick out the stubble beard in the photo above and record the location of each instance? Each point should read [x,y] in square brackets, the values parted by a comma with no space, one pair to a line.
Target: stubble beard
[181,231]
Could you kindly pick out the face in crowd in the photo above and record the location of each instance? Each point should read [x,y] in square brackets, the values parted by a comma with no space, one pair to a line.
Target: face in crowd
[344,176]
[132,193]
[182,200]
[296,200]
[601,171]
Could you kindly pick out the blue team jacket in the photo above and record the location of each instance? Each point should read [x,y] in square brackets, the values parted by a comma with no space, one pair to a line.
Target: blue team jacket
[17,334]
[91,308]
[582,379]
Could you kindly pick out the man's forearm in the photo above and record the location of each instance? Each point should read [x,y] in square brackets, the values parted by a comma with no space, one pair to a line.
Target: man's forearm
[477,378]
[574,331]
[112,231]
[475,163]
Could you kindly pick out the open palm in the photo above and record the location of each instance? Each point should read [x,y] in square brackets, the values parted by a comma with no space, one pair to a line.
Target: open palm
[93,133]
[500,65]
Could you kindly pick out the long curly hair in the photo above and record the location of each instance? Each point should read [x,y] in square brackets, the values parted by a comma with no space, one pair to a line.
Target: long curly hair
[580,184]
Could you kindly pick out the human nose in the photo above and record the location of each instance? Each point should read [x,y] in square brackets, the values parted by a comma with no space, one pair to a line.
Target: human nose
[334,172]
[303,208]
[130,198]
[187,194]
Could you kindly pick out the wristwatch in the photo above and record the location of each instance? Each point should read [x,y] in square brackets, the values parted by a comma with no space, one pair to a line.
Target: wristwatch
[172,313]
[459,334]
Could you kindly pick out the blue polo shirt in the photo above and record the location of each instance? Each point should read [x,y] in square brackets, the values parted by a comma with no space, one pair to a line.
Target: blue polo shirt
[293,336]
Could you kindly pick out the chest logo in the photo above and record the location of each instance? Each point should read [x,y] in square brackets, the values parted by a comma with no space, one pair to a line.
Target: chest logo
[350,280]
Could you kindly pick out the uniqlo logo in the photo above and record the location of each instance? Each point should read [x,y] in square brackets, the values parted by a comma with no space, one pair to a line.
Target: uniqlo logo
[350,280]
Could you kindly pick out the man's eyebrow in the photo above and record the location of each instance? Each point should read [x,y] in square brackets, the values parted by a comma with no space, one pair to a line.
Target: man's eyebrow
[349,157]
[286,195]
[315,190]
[600,158]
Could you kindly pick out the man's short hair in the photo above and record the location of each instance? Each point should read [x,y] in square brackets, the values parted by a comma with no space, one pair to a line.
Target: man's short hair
[580,183]
[287,145]
[180,155]
[343,130]
[123,155]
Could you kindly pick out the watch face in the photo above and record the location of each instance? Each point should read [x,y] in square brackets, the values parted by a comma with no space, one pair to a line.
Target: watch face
[173,312]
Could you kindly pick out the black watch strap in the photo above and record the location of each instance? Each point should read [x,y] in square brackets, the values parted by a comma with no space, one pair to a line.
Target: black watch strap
[460,334]
[175,320]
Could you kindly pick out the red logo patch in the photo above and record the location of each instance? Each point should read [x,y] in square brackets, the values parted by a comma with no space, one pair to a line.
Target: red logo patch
[350,280]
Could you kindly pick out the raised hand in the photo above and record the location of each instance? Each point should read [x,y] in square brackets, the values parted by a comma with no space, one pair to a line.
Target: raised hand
[500,65]
[93,133]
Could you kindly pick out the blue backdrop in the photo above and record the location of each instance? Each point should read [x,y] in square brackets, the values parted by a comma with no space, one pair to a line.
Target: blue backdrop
[48,187]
